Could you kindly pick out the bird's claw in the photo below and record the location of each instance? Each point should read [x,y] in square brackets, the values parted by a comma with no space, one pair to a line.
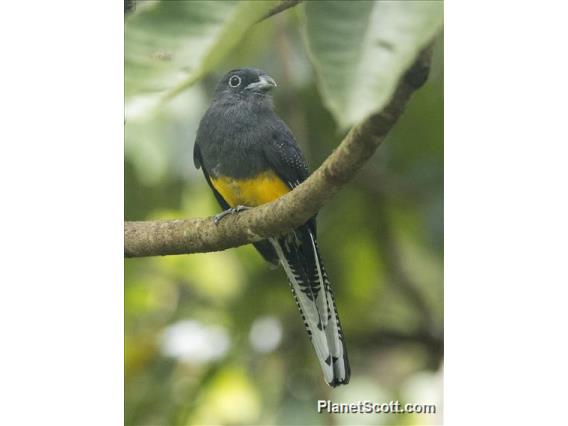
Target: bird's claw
[217,218]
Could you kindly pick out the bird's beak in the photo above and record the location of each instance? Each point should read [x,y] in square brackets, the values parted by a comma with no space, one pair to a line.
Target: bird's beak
[264,84]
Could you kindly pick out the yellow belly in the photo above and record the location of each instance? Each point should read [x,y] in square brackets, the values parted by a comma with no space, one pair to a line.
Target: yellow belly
[261,189]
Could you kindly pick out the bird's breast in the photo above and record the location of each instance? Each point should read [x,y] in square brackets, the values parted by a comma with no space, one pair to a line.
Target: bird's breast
[254,191]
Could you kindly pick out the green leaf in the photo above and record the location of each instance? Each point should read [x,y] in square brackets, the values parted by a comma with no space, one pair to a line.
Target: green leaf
[360,49]
[169,45]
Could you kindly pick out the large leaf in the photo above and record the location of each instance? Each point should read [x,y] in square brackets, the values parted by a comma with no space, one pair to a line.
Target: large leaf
[361,48]
[170,44]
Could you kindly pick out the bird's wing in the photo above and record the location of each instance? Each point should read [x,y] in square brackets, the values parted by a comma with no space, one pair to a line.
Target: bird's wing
[284,156]
[287,161]
[300,258]
[199,164]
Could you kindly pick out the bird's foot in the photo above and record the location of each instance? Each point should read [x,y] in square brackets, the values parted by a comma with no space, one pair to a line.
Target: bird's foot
[234,210]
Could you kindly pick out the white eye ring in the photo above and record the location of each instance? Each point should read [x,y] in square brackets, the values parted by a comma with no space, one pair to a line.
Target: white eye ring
[235,81]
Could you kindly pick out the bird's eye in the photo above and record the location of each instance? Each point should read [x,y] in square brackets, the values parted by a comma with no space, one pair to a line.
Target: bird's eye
[234,81]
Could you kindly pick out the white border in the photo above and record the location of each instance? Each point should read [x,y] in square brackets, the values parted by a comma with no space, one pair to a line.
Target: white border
[506,212]
[61,173]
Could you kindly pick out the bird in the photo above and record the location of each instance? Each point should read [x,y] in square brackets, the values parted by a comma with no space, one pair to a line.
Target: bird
[250,157]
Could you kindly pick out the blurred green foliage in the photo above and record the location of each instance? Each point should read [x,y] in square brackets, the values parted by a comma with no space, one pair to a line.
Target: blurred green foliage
[360,49]
[190,354]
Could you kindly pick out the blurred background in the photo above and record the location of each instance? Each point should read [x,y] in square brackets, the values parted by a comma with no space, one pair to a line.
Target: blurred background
[216,338]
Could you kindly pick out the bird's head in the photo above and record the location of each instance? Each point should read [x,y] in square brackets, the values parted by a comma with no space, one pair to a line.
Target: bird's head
[245,82]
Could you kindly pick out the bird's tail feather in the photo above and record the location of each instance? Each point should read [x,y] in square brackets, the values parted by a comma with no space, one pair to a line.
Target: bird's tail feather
[299,255]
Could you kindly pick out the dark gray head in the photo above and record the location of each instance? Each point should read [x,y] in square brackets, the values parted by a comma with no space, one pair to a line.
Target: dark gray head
[245,82]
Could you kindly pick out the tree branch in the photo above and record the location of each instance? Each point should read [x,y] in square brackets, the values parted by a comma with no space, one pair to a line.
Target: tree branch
[158,238]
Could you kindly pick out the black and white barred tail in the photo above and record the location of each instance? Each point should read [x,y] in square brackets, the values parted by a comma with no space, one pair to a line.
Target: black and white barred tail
[299,255]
